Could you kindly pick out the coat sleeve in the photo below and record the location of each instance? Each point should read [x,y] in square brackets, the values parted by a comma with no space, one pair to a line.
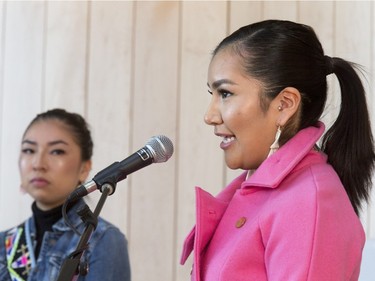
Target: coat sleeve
[312,232]
[109,259]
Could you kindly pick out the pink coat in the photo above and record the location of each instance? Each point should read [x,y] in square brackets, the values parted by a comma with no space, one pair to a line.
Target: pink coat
[290,221]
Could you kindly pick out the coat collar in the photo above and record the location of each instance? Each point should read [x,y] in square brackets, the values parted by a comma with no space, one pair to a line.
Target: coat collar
[276,167]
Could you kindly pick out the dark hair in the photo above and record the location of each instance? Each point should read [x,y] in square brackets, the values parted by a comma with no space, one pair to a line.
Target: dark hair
[76,123]
[284,54]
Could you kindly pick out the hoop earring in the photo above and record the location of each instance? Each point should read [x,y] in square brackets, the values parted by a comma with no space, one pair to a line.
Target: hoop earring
[275,145]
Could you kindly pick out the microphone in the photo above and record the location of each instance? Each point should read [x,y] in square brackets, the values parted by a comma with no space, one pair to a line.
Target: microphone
[158,149]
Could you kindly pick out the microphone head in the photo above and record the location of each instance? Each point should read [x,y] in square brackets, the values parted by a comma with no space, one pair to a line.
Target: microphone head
[161,148]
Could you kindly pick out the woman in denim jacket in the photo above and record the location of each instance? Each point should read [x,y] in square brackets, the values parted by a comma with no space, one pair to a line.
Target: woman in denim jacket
[55,156]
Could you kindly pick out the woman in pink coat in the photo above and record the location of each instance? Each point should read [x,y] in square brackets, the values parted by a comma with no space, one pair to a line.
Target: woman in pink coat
[293,214]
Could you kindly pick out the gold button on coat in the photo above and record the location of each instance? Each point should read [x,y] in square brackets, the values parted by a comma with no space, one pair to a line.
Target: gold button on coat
[240,222]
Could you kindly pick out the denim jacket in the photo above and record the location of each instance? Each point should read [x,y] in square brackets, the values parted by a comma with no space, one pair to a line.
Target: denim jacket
[107,255]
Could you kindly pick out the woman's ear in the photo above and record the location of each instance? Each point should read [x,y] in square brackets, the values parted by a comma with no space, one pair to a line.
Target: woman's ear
[85,170]
[288,102]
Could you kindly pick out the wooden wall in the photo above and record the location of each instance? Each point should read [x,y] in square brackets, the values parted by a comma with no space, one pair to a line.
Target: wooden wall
[135,70]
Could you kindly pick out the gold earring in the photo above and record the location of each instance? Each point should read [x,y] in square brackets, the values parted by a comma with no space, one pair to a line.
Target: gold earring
[275,145]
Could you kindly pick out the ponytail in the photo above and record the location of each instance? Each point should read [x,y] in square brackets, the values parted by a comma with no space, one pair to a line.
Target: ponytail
[349,143]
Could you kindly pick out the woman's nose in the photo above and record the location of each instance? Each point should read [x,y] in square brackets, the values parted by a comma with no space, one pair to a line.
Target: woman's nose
[39,162]
[213,116]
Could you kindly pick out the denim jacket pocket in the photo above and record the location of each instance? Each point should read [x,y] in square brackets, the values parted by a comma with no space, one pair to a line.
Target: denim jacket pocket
[55,262]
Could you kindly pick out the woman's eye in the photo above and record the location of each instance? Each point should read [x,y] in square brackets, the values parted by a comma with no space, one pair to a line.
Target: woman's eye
[27,150]
[225,94]
[58,152]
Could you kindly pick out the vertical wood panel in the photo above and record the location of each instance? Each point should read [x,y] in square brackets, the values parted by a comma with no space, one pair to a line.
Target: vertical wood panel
[286,10]
[22,78]
[352,35]
[244,13]
[66,55]
[200,159]
[154,113]
[108,104]
[2,42]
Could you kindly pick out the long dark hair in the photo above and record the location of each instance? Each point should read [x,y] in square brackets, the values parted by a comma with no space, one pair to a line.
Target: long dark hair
[286,54]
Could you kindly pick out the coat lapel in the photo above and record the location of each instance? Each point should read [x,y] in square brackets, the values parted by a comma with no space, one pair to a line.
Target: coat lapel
[209,211]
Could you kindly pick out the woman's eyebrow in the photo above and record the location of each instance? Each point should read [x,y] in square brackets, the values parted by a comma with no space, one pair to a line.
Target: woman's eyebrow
[26,141]
[217,83]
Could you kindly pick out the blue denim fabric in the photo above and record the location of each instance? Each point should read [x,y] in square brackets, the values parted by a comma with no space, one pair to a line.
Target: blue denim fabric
[107,255]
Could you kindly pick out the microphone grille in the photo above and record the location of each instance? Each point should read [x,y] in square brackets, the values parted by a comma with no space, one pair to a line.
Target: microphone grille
[161,147]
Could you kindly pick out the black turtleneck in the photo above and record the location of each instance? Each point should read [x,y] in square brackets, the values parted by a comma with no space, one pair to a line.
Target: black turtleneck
[44,220]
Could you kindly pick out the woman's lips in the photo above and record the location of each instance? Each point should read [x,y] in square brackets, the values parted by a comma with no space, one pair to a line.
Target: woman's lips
[227,141]
[39,182]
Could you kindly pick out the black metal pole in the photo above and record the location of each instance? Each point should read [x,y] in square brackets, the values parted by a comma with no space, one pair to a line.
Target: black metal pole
[70,270]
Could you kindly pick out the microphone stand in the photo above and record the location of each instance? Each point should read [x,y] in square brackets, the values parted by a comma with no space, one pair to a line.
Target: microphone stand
[72,266]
